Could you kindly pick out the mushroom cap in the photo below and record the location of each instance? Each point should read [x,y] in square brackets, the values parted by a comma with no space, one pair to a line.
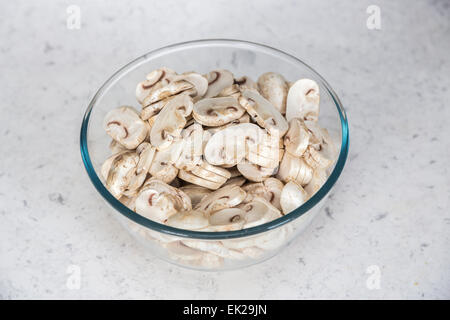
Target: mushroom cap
[229,146]
[254,172]
[292,196]
[189,220]
[192,147]
[303,100]
[196,193]
[264,113]
[269,189]
[227,219]
[215,112]
[259,211]
[158,201]
[217,81]
[124,126]
[296,139]
[225,197]
[274,88]
[170,121]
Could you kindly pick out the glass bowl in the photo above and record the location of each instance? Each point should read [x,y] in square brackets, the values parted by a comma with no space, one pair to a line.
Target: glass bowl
[214,250]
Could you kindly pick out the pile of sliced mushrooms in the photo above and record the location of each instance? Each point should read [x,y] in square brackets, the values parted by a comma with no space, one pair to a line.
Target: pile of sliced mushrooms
[217,153]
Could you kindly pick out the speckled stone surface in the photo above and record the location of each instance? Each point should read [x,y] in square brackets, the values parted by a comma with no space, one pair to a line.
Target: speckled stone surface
[389,209]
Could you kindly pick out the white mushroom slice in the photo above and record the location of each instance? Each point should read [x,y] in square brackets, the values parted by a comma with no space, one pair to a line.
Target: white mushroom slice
[122,169]
[270,159]
[270,190]
[208,175]
[116,147]
[296,139]
[191,178]
[244,119]
[225,197]
[155,77]
[146,154]
[196,193]
[217,170]
[214,247]
[170,121]
[315,159]
[160,93]
[124,126]
[217,81]
[292,197]
[303,100]
[228,146]
[245,82]
[199,82]
[259,211]
[238,181]
[264,113]
[252,252]
[158,201]
[321,140]
[228,219]
[234,172]
[106,166]
[189,220]
[151,110]
[178,250]
[162,167]
[318,179]
[273,87]
[294,169]
[215,112]
[191,149]
[254,172]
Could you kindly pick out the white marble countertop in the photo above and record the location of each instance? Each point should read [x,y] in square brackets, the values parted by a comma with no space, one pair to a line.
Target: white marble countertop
[390,208]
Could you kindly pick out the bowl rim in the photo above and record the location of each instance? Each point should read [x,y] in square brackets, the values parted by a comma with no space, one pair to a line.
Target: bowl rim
[183,233]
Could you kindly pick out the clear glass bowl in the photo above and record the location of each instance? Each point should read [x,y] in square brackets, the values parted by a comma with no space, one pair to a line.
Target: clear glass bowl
[217,250]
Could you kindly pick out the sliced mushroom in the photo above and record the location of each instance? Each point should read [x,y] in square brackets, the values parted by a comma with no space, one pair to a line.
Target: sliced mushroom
[146,154]
[269,189]
[122,169]
[228,146]
[162,167]
[154,78]
[196,193]
[199,82]
[153,109]
[217,81]
[315,159]
[124,126]
[321,140]
[225,197]
[274,88]
[191,149]
[191,178]
[215,112]
[170,121]
[244,119]
[296,139]
[158,201]
[264,113]
[163,92]
[292,196]
[303,100]
[259,211]
[294,169]
[232,91]
[228,219]
[189,220]
[214,247]
[266,157]
[318,179]
[254,172]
